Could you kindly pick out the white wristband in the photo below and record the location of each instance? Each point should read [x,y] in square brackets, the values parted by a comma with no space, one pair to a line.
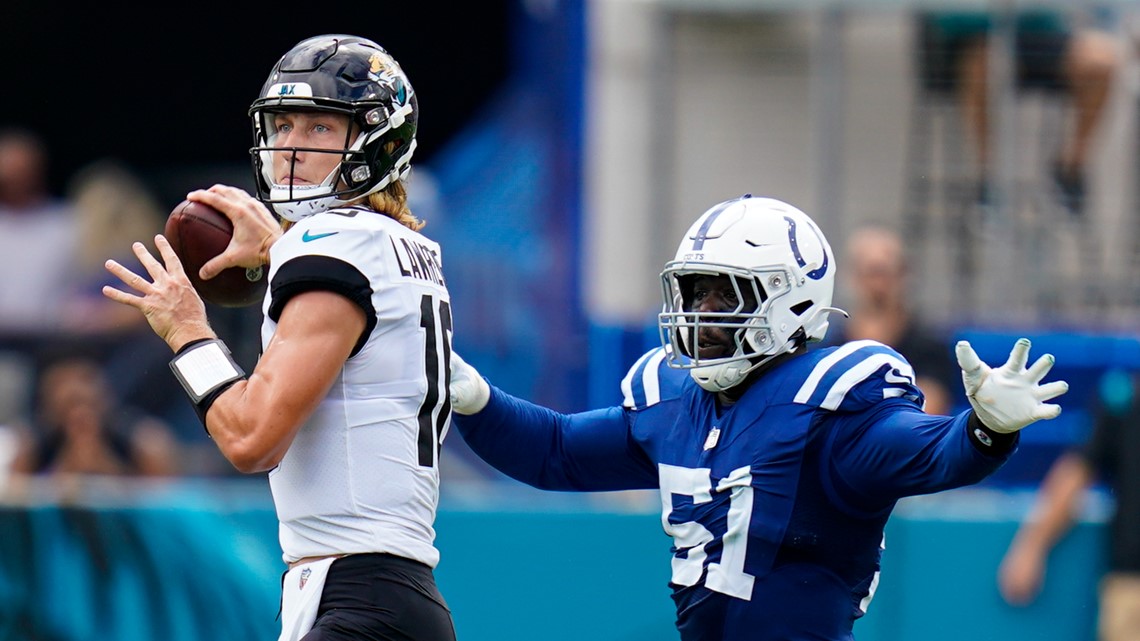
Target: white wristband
[205,367]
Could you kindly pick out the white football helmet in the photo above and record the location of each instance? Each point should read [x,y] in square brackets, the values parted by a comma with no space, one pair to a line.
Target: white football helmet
[775,251]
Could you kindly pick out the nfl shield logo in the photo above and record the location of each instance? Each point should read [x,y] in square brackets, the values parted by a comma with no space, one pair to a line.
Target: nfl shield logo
[304,578]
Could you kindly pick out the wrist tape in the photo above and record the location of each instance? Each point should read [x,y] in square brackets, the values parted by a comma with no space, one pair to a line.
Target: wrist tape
[205,368]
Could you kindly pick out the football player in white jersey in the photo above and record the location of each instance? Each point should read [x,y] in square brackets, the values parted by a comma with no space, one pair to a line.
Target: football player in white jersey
[348,404]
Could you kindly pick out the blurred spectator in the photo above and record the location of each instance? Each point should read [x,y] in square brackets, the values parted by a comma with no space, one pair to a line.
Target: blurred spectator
[1109,455]
[23,172]
[79,427]
[38,236]
[878,280]
[112,207]
[1052,54]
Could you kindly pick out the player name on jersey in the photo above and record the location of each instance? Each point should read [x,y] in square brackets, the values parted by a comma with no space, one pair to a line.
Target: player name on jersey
[417,260]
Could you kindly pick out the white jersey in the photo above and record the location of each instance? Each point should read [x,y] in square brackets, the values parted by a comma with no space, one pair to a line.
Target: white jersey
[362,474]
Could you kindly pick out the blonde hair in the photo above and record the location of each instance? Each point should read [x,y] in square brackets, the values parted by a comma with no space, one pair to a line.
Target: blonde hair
[113,203]
[392,201]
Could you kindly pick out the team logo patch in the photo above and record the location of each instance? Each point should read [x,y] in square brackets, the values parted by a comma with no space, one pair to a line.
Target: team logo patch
[305,574]
[713,437]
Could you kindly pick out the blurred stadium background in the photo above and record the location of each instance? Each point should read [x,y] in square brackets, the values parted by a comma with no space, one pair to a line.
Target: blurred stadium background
[565,145]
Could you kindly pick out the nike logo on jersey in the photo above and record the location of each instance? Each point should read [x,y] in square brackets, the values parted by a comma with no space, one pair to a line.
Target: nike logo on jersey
[309,237]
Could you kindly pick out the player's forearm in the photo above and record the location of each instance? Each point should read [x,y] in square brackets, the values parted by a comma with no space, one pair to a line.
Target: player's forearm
[515,437]
[254,423]
[250,428]
[550,450]
[909,453]
[966,451]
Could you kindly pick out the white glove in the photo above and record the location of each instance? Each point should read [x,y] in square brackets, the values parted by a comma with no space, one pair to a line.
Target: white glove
[469,391]
[1010,397]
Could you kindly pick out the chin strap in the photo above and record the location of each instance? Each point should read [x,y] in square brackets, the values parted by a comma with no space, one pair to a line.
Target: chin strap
[725,376]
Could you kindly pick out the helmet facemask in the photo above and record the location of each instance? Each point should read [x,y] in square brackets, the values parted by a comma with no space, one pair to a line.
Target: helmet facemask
[769,250]
[753,340]
[349,180]
[345,75]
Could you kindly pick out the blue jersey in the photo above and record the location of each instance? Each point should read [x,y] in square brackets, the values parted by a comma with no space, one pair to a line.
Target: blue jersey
[776,504]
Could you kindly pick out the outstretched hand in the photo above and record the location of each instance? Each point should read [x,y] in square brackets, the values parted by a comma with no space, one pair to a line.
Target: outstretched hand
[1010,397]
[469,391]
[167,300]
[255,229]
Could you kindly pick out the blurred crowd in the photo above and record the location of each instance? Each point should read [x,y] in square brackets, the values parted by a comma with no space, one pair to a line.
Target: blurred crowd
[72,399]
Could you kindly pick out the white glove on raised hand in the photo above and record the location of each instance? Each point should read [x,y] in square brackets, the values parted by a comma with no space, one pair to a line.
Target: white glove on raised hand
[469,392]
[1010,397]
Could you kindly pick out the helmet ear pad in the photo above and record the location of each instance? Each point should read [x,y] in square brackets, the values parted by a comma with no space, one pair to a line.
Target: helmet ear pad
[757,340]
[383,155]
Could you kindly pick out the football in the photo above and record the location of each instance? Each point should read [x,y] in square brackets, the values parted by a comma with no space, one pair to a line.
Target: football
[197,232]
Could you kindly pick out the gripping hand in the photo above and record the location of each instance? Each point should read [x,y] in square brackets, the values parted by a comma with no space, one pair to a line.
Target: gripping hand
[1010,397]
[469,391]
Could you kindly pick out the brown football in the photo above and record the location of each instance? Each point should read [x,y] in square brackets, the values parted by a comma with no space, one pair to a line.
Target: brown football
[197,232]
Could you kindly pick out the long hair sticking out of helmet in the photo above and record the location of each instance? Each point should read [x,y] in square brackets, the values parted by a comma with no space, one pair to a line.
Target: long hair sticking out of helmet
[392,201]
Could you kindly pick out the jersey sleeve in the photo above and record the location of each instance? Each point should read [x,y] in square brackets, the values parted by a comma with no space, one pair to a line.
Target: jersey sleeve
[896,450]
[651,380]
[880,445]
[312,257]
[857,376]
[589,451]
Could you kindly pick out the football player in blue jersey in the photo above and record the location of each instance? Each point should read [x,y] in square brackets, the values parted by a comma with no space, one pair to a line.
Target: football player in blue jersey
[778,466]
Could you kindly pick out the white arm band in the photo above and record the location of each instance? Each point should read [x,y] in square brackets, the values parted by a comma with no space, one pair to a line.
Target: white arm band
[205,367]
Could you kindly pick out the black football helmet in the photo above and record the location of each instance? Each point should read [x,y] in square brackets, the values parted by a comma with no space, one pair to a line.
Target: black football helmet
[344,74]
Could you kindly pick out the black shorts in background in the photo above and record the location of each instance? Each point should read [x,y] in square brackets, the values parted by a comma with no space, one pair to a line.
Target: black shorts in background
[1041,43]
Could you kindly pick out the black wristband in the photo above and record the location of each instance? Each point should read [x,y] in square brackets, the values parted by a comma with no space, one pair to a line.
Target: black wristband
[987,441]
[206,369]
[203,406]
[196,341]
